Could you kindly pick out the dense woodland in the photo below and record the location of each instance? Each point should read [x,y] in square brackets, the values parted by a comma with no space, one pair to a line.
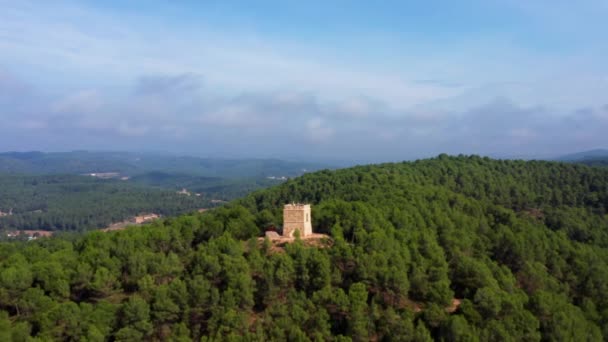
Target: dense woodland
[523,245]
[76,203]
[46,191]
[224,189]
[603,162]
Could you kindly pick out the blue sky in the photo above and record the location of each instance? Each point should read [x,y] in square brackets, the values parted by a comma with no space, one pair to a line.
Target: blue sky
[347,80]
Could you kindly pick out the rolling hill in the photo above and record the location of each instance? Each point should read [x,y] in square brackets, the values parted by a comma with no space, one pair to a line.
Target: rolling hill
[130,164]
[597,157]
[451,248]
[585,155]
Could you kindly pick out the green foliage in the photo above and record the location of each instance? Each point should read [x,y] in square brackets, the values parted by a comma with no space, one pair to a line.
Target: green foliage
[448,249]
[78,203]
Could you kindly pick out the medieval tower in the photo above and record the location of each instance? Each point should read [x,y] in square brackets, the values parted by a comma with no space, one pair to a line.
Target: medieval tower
[297,217]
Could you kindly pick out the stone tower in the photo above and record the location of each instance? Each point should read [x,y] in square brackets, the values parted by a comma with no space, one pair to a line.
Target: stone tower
[297,217]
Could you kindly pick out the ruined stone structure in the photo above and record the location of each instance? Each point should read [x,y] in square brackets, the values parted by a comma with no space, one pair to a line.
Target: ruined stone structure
[143,218]
[297,217]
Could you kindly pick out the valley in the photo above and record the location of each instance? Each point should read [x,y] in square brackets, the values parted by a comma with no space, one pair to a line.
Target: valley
[79,191]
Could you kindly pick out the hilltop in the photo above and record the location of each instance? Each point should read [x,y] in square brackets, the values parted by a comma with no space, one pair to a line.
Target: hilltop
[450,248]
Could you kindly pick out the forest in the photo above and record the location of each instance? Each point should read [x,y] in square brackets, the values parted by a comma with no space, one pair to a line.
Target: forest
[47,191]
[594,162]
[78,203]
[224,189]
[459,248]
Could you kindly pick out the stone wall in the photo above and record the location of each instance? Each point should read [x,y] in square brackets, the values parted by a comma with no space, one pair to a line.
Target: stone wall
[297,217]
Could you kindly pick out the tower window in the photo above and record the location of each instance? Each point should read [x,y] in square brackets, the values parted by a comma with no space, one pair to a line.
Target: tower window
[306,217]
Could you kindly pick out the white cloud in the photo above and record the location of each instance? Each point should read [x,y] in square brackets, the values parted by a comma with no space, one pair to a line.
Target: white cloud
[233,115]
[81,102]
[132,130]
[66,40]
[318,130]
[32,124]
[120,76]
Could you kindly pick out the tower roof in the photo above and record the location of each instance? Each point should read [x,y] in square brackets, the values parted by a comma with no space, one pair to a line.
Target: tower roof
[296,206]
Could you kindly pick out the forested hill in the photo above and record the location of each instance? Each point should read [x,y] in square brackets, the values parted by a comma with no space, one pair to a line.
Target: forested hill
[592,158]
[451,248]
[602,162]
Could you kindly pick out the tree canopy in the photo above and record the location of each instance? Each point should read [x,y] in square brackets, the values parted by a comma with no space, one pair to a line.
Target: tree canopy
[451,248]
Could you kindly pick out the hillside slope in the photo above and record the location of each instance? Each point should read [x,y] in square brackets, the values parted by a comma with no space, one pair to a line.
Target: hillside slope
[451,248]
[590,158]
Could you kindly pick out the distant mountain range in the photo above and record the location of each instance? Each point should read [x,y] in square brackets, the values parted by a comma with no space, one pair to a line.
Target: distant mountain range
[130,164]
[148,167]
[585,155]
